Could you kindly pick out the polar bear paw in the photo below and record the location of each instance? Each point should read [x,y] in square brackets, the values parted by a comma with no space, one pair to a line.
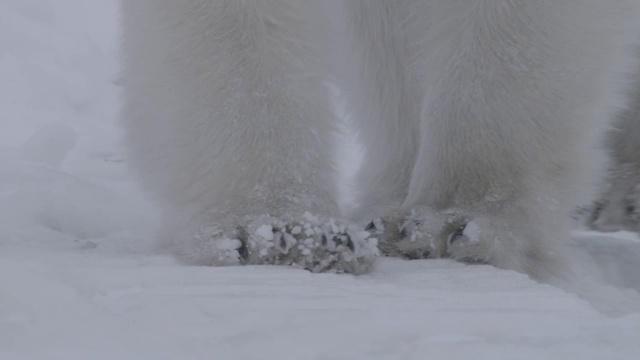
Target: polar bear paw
[309,242]
[424,234]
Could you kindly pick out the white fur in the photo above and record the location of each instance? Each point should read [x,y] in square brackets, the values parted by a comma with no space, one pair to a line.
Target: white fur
[488,111]
[227,114]
[619,207]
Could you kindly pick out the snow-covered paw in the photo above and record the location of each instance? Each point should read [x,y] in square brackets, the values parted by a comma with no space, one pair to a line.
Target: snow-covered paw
[419,235]
[425,234]
[309,242]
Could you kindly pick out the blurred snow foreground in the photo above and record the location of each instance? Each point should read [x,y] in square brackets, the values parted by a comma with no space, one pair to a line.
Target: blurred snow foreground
[79,279]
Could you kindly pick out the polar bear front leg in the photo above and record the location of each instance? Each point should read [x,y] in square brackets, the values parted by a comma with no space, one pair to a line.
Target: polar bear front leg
[513,108]
[229,124]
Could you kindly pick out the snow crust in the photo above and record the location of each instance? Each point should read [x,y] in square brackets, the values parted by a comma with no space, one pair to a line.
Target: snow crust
[79,278]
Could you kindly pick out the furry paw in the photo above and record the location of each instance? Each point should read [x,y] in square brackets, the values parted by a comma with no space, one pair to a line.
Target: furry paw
[308,242]
[426,234]
[508,240]
[422,234]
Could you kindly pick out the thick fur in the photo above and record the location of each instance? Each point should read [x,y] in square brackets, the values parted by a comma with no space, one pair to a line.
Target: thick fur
[481,119]
[619,207]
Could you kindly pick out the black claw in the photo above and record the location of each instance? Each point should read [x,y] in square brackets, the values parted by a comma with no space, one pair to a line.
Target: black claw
[457,234]
[403,232]
[243,250]
[350,243]
[279,239]
[370,226]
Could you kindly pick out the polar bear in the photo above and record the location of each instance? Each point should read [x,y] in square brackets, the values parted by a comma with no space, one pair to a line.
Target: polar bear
[619,206]
[481,123]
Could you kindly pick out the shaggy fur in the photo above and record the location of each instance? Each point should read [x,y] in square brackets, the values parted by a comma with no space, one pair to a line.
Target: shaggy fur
[619,207]
[481,121]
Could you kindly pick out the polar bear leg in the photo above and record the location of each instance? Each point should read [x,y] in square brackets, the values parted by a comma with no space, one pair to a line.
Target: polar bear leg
[384,100]
[229,123]
[516,106]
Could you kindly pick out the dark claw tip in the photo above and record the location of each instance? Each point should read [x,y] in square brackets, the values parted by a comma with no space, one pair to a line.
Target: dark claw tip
[457,234]
[350,243]
[279,239]
[370,226]
[243,251]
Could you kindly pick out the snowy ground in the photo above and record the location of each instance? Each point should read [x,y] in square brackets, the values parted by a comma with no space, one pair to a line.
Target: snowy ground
[79,280]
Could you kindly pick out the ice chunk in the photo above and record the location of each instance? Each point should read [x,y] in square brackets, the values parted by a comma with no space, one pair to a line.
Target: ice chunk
[472,232]
[265,232]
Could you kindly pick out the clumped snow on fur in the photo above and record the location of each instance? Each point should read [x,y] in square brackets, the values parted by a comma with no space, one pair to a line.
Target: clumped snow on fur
[311,243]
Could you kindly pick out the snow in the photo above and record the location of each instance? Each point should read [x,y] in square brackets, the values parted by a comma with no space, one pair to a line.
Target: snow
[101,304]
[265,232]
[472,232]
[79,278]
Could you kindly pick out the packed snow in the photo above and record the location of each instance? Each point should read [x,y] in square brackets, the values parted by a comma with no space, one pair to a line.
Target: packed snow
[80,279]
